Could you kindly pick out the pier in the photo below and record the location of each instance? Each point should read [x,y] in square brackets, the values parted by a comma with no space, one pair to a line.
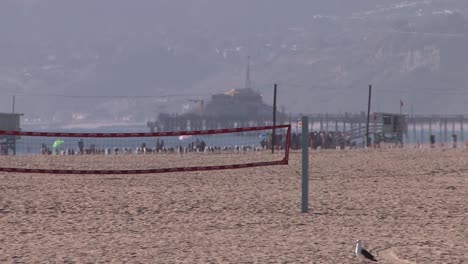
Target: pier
[417,128]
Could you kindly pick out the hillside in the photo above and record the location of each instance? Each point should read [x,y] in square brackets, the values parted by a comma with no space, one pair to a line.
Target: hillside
[322,55]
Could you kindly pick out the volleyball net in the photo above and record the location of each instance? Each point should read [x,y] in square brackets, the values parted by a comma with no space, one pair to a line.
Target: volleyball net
[142,153]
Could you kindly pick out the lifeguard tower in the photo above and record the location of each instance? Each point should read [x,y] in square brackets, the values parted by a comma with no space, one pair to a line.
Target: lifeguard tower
[9,121]
[389,128]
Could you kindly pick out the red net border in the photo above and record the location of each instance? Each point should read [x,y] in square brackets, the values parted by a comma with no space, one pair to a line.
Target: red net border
[154,134]
[284,161]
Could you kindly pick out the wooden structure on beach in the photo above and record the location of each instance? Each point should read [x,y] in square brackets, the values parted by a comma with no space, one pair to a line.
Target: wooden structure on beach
[9,121]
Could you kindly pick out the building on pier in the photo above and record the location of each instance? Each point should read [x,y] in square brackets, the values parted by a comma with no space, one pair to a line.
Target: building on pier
[235,108]
[238,104]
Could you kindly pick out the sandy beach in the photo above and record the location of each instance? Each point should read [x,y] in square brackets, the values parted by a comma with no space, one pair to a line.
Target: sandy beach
[408,205]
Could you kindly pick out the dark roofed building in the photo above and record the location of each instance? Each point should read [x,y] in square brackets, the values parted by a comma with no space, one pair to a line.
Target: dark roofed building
[238,104]
[238,107]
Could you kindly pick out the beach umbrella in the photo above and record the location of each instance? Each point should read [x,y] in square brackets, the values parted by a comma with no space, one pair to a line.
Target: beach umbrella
[264,136]
[57,143]
[185,137]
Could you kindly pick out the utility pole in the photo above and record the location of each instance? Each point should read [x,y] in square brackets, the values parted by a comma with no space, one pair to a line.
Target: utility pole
[368,116]
[13,110]
[274,120]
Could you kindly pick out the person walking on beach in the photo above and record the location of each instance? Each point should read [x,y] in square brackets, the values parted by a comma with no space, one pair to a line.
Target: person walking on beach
[80,146]
[454,140]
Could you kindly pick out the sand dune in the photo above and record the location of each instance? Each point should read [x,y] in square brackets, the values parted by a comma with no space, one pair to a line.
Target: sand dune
[408,205]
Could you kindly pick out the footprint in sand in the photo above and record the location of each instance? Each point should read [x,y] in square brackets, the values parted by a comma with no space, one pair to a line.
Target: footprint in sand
[423,252]
[389,255]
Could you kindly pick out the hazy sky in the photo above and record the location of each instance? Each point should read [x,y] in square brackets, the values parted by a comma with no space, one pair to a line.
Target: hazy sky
[328,49]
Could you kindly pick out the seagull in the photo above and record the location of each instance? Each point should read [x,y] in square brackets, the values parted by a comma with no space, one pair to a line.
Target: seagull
[362,252]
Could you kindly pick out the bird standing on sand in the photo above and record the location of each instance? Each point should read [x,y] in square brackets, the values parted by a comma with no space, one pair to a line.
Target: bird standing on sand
[361,252]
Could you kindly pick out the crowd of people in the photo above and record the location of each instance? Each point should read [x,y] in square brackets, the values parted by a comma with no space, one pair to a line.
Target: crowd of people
[195,146]
[317,140]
